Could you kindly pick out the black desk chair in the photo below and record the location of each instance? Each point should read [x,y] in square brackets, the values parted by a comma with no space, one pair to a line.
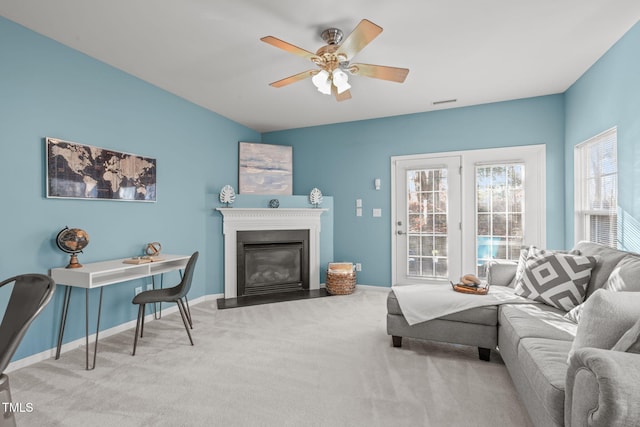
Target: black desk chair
[174,294]
[30,294]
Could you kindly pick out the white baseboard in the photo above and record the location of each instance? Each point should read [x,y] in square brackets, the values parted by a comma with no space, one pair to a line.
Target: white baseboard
[374,288]
[47,354]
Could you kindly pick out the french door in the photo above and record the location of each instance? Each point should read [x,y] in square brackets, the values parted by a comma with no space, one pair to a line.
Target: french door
[427,221]
[454,212]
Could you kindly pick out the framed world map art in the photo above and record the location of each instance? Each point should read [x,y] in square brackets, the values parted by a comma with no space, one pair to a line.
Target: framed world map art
[85,172]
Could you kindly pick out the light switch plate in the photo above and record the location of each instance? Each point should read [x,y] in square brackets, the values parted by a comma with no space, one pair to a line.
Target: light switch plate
[358,203]
[358,211]
[377,212]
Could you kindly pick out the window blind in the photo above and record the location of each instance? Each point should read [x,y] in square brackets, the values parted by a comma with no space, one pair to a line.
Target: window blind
[597,188]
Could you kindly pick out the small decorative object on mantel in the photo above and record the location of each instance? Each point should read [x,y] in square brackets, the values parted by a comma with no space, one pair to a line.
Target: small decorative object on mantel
[227,195]
[72,241]
[274,203]
[315,197]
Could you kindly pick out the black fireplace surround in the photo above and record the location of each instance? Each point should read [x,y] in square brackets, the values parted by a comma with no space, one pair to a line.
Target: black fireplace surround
[272,261]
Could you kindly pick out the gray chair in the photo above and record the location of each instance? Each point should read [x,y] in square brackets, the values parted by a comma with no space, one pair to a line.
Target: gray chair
[174,294]
[30,294]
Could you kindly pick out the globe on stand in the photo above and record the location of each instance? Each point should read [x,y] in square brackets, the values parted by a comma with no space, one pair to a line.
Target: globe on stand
[72,241]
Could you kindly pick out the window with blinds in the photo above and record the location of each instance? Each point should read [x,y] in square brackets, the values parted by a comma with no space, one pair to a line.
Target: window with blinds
[596,189]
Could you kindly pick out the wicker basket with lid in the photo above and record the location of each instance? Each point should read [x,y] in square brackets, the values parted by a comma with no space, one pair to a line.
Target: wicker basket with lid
[341,278]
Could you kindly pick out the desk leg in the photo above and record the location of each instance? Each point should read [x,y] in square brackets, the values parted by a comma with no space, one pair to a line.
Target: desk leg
[63,318]
[157,312]
[155,304]
[95,347]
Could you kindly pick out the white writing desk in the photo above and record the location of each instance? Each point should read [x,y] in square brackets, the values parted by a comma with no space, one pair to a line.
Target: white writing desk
[101,274]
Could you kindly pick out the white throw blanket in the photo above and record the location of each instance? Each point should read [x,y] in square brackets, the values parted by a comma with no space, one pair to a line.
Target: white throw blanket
[420,303]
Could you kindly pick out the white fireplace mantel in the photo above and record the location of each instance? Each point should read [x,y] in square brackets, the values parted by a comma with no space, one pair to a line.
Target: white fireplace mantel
[248,219]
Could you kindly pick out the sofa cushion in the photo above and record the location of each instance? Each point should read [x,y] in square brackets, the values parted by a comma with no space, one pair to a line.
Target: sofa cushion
[519,321]
[624,277]
[609,258]
[544,364]
[606,316]
[501,272]
[574,314]
[487,315]
[522,263]
[630,341]
[559,280]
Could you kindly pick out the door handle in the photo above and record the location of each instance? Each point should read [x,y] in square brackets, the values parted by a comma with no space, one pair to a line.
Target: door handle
[400,232]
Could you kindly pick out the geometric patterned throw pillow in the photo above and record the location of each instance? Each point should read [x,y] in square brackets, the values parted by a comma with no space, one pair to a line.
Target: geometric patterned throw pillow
[558,280]
[534,251]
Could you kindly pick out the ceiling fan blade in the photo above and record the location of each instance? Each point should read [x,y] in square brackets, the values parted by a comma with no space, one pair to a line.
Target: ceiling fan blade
[273,41]
[295,78]
[361,36]
[341,96]
[382,72]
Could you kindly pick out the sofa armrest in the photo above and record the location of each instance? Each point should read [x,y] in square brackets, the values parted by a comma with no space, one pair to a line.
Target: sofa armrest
[602,389]
[501,272]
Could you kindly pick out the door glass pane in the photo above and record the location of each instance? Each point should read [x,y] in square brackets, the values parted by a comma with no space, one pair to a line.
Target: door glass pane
[499,213]
[427,231]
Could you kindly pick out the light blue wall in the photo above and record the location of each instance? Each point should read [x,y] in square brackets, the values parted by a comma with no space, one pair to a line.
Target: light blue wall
[608,95]
[47,89]
[344,159]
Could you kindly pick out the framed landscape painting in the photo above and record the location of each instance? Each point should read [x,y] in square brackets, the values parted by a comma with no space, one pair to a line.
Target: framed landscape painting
[265,169]
[85,172]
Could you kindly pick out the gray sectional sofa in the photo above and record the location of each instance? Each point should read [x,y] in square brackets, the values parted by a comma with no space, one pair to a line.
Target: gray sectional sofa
[592,386]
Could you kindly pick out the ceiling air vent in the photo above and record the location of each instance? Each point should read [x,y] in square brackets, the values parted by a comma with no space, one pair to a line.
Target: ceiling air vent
[444,101]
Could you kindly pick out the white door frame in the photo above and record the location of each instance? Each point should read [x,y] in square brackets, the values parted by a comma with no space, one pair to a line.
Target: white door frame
[535,185]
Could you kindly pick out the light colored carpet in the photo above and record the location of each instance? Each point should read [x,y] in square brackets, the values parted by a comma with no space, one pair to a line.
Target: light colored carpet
[318,362]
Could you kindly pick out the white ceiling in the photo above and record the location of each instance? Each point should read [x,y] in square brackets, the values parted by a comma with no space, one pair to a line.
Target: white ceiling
[209,51]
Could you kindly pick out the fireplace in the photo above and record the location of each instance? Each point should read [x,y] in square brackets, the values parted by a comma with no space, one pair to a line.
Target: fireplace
[271,261]
[236,220]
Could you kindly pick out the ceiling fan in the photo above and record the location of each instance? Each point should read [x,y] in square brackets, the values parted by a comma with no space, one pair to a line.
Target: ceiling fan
[333,61]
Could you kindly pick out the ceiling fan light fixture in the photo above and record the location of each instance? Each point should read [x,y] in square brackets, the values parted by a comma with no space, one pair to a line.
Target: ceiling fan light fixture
[321,82]
[334,61]
[340,80]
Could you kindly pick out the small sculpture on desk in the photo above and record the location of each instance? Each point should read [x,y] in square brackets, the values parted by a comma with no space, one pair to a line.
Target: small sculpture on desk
[153,249]
[72,241]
